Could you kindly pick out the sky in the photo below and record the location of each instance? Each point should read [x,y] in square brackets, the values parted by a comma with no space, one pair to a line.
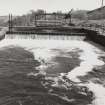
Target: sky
[19,7]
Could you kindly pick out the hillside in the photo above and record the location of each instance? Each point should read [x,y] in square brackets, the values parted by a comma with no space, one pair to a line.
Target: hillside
[80,14]
[3,20]
[78,17]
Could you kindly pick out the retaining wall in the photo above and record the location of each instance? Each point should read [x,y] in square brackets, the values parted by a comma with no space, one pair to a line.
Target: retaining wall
[95,36]
[2,32]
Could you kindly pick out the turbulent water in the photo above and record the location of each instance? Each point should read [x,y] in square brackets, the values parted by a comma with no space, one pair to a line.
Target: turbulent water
[71,69]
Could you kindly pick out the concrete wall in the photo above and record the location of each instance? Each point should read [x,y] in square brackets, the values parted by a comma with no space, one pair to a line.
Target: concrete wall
[2,32]
[95,37]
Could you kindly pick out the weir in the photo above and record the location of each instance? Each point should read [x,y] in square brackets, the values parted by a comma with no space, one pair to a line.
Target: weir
[47,24]
[65,57]
[60,60]
[59,27]
[61,30]
[44,37]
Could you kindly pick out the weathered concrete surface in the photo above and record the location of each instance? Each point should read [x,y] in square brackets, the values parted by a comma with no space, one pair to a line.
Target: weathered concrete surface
[95,36]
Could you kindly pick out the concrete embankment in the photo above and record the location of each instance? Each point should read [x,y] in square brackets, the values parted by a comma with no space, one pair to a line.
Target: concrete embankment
[95,36]
[2,32]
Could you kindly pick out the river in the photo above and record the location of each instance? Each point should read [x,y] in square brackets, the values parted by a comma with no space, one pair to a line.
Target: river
[71,71]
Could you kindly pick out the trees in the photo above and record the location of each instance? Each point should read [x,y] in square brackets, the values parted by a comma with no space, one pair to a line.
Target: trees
[28,19]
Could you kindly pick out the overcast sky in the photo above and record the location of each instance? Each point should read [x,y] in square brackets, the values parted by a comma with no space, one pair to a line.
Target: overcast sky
[19,7]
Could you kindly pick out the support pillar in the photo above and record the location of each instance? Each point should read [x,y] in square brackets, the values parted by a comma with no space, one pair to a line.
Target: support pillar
[35,20]
[10,23]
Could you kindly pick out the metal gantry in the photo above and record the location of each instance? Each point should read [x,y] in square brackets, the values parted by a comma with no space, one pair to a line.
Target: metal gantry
[47,19]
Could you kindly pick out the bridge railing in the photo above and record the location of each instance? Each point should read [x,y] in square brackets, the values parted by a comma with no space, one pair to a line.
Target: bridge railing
[50,22]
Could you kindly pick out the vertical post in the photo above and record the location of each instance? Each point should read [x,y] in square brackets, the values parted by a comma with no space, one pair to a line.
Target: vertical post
[70,14]
[102,3]
[45,15]
[55,19]
[64,19]
[9,23]
[35,20]
[70,19]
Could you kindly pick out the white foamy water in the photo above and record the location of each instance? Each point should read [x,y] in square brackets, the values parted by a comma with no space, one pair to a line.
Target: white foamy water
[89,59]
[42,50]
[99,92]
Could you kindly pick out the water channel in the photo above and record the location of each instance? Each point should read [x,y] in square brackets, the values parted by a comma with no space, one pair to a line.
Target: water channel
[51,70]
